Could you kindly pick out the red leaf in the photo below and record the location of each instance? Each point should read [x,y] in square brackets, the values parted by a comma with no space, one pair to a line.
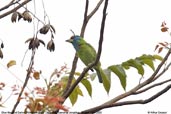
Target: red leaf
[59,106]
[160,49]
[53,99]
[164,29]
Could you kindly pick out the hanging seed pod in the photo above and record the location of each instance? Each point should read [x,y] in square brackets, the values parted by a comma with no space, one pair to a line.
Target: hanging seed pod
[45,29]
[14,17]
[51,45]
[27,16]
[34,43]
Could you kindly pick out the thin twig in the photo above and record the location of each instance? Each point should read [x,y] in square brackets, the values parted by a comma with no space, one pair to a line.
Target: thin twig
[85,21]
[95,9]
[88,17]
[164,70]
[14,9]
[8,5]
[155,78]
[29,71]
[152,86]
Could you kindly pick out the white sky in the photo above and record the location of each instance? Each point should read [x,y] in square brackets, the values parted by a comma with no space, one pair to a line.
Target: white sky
[132,29]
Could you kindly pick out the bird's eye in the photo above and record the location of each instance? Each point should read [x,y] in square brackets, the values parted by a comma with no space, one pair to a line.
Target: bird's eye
[72,37]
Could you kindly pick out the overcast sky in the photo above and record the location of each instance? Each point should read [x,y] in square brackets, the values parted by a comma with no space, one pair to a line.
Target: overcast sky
[132,29]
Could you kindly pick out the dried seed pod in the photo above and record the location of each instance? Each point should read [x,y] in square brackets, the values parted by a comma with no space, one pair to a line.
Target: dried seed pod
[34,43]
[45,29]
[27,16]
[31,43]
[14,17]
[51,45]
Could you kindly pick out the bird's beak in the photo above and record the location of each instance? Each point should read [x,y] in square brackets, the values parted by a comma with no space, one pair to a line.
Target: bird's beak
[69,40]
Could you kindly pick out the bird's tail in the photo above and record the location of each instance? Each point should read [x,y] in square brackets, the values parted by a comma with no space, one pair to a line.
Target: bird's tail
[100,73]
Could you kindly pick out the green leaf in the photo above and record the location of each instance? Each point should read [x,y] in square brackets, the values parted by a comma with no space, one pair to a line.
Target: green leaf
[120,72]
[125,65]
[88,86]
[149,63]
[158,57]
[108,73]
[136,64]
[106,81]
[73,96]
[148,60]
[79,91]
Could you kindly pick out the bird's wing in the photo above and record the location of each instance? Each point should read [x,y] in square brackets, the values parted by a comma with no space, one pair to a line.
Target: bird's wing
[87,53]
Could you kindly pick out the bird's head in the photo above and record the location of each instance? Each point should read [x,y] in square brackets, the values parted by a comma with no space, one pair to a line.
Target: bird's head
[76,41]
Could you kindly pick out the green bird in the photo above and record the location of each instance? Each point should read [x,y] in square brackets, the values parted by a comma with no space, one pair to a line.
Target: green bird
[86,53]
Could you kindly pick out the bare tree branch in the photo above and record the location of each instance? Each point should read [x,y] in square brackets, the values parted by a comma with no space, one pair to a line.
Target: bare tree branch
[164,70]
[85,21]
[152,86]
[93,110]
[8,5]
[95,9]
